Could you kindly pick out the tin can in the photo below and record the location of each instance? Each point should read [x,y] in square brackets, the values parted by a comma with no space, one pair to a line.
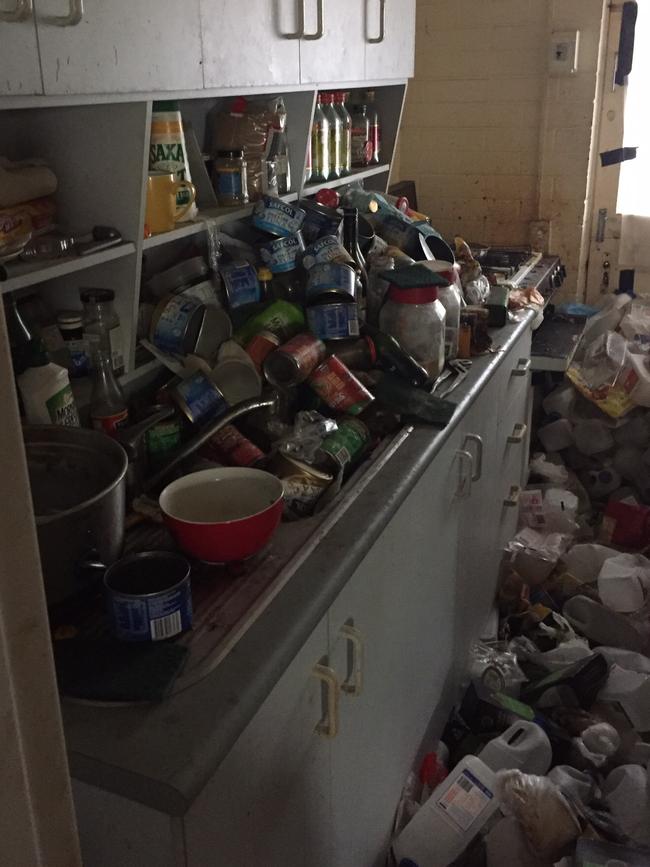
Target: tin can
[303,484]
[359,353]
[215,329]
[283,254]
[336,321]
[176,324]
[232,447]
[282,318]
[292,363]
[326,249]
[241,284]
[331,278]
[277,217]
[199,398]
[339,388]
[319,220]
[162,440]
[346,444]
[261,345]
[148,596]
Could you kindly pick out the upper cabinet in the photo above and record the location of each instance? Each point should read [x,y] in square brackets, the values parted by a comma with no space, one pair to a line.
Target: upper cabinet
[390,39]
[250,44]
[95,46]
[20,72]
[332,47]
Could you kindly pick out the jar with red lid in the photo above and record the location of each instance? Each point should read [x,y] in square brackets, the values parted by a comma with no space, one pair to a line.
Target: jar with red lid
[416,319]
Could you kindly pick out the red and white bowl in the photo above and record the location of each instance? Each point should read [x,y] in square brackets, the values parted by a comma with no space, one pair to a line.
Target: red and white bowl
[223,514]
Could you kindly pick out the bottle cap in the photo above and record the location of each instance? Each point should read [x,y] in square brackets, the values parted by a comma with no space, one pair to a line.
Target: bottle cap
[96,296]
[417,295]
[264,273]
[69,318]
[239,105]
[327,197]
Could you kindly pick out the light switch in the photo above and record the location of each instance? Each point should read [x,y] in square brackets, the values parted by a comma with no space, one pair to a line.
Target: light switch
[563,55]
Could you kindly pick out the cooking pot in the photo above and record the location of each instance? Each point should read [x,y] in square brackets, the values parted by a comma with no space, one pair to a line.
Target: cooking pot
[78,495]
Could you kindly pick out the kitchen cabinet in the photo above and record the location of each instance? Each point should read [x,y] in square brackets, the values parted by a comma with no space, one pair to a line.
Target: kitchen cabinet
[20,71]
[120,47]
[333,46]
[250,50]
[390,39]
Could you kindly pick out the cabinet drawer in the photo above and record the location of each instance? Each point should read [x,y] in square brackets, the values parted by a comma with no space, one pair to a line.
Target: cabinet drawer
[512,456]
[514,374]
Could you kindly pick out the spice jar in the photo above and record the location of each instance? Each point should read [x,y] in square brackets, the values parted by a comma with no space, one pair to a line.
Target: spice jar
[230,177]
[70,324]
[101,327]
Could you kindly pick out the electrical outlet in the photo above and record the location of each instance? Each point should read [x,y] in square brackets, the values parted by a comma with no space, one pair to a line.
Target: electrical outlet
[563,53]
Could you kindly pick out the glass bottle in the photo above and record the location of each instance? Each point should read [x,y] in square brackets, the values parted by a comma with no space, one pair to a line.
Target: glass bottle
[320,145]
[351,244]
[335,133]
[346,131]
[375,126]
[108,409]
[20,339]
[102,327]
[361,144]
[279,150]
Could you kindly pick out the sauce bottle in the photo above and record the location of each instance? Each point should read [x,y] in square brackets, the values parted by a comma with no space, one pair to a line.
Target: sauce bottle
[108,409]
[320,144]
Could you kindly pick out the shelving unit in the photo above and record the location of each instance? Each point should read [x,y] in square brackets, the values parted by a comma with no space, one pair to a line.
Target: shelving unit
[355,175]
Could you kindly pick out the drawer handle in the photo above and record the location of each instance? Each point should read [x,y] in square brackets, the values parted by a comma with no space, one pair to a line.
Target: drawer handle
[518,434]
[21,11]
[74,16]
[522,368]
[354,684]
[329,726]
[300,20]
[319,27]
[513,497]
[478,466]
[465,475]
[375,40]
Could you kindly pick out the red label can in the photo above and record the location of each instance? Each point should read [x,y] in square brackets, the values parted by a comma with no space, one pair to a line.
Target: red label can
[234,448]
[339,388]
[294,360]
[261,345]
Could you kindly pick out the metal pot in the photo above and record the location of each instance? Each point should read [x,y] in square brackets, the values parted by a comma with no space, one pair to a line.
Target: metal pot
[78,494]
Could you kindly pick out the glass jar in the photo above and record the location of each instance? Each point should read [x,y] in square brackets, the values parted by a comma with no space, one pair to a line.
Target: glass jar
[230,178]
[416,319]
[101,327]
[70,324]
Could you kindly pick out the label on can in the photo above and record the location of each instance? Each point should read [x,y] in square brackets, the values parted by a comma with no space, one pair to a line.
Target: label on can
[163,439]
[174,322]
[110,424]
[233,447]
[334,321]
[277,217]
[282,254]
[199,398]
[346,443]
[153,618]
[326,249]
[307,351]
[261,345]
[339,388]
[331,278]
[319,223]
[241,284]
[282,318]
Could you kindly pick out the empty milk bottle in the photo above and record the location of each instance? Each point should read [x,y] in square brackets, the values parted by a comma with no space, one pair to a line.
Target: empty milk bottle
[524,746]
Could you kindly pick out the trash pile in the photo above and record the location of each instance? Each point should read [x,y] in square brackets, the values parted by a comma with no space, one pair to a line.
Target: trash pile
[546,759]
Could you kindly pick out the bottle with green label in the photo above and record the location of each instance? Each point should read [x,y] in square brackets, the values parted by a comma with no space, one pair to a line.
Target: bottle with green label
[46,392]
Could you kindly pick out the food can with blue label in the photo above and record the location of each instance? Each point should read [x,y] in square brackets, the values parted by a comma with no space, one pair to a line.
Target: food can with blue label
[199,398]
[277,217]
[335,321]
[241,284]
[176,324]
[319,220]
[283,254]
[326,249]
[148,596]
[330,278]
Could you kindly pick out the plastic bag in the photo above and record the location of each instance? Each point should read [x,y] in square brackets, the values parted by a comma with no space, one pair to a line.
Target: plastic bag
[309,430]
[623,582]
[603,373]
[548,470]
[496,667]
[635,326]
[477,291]
[595,746]
[245,126]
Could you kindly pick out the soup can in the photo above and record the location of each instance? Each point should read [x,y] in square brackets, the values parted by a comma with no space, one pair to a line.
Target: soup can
[336,321]
[339,388]
[261,345]
[277,217]
[232,447]
[283,254]
[319,220]
[199,398]
[331,278]
[292,363]
[326,249]
[148,596]
[176,324]
[241,284]
[303,484]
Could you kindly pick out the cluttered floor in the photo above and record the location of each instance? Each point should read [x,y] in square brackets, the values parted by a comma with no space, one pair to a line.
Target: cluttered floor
[545,759]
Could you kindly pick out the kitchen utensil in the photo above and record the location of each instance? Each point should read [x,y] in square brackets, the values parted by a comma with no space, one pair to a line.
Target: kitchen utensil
[224,514]
[162,211]
[77,483]
[462,367]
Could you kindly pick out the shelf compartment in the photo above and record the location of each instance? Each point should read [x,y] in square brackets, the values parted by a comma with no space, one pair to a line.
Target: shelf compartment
[355,175]
[20,275]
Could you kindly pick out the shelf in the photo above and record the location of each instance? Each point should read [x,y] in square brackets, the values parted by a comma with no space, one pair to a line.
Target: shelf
[356,175]
[193,227]
[20,275]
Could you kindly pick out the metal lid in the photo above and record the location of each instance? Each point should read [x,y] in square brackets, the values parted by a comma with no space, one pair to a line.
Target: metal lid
[96,296]
[69,318]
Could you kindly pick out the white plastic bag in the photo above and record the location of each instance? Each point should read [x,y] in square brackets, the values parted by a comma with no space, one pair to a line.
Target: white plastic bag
[623,581]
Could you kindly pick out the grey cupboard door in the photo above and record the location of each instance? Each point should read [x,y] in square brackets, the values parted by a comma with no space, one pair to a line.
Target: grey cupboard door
[339,53]
[390,44]
[120,47]
[246,44]
[391,637]
[20,71]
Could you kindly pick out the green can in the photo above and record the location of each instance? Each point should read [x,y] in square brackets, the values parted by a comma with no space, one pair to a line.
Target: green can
[162,440]
[347,444]
[281,318]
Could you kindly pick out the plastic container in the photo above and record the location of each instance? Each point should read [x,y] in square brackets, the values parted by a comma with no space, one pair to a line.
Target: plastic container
[560,401]
[46,392]
[417,319]
[556,436]
[524,746]
[453,815]
[593,437]
[102,328]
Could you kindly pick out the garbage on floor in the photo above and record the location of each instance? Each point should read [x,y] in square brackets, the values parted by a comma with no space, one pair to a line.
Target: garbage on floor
[545,761]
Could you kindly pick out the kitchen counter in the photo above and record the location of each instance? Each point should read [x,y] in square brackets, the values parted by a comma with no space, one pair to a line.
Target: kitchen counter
[162,755]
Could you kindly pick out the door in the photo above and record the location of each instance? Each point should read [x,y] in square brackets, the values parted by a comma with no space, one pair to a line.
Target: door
[268,804]
[391,637]
[390,39]
[20,72]
[119,46]
[333,45]
[256,48]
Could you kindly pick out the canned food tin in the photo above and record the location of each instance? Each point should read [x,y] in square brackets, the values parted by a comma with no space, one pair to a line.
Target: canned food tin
[292,363]
[162,440]
[326,249]
[215,329]
[331,278]
[347,443]
[148,596]
[319,220]
[232,447]
[176,324]
[277,217]
[282,318]
[241,284]
[334,321]
[339,388]
[199,398]
[261,345]
[283,254]
[303,484]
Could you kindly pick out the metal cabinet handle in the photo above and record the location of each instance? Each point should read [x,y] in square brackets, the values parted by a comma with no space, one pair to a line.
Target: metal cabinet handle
[21,11]
[300,17]
[464,478]
[329,726]
[74,16]
[354,684]
[375,40]
[475,438]
[518,434]
[522,368]
[513,497]
[319,27]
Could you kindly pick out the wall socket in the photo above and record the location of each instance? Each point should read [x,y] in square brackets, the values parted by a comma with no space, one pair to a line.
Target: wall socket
[563,52]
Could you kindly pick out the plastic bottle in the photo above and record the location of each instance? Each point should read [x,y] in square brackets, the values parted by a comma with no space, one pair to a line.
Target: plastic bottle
[108,409]
[102,328]
[524,745]
[279,149]
[449,297]
[361,144]
[335,135]
[320,144]
[168,151]
[375,126]
[46,392]
[346,131]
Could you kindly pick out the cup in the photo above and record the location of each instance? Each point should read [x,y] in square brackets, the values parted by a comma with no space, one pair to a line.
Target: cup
[162,210]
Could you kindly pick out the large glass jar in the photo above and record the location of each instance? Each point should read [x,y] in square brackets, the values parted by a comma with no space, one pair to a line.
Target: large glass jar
[101,327]
[416,319]
[230,178]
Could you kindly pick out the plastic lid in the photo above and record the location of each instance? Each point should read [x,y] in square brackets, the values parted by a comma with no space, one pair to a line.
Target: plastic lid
[236,153]
[239,105]
[416,295]
[96,296]
[69,318]
[328,197]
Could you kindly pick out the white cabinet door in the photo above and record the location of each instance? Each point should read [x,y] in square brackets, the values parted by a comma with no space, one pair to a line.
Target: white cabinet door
[245,45]
[20,72]
[400,600]
[121,46]
[339,53]
[390,39]
[268,804]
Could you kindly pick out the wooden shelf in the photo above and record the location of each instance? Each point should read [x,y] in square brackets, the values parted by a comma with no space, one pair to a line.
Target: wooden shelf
[20,275]
[356,175]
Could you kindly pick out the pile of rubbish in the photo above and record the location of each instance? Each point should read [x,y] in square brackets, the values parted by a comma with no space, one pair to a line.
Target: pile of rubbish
[546,759]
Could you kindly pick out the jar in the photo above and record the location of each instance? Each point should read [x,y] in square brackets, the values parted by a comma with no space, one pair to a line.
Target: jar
[101,327]
[230,177]
[416,319]
[70,324]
